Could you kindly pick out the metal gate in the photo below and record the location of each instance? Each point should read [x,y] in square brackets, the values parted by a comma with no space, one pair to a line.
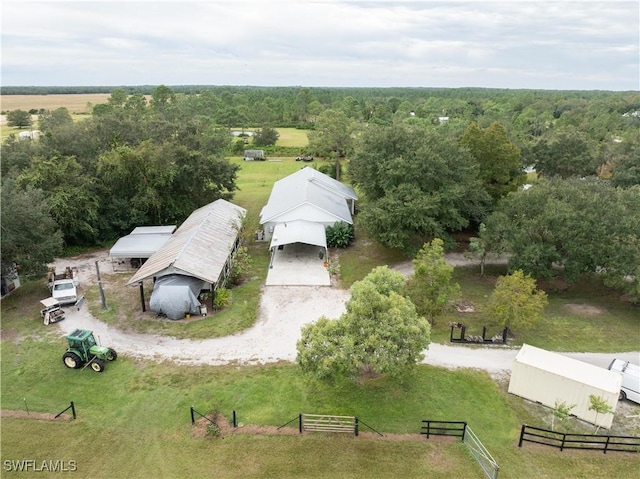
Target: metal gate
[326,423]
[480,453]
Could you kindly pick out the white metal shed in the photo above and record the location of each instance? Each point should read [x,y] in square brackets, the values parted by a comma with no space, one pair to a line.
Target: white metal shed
[546,377]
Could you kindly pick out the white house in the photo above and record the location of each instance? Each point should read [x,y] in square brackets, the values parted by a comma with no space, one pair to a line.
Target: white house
[307,197]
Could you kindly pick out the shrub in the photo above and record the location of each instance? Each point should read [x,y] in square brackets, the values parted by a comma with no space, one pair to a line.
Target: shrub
[340,235]
[222,298]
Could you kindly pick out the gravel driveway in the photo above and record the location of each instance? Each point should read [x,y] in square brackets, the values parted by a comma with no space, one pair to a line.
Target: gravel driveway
[283,310]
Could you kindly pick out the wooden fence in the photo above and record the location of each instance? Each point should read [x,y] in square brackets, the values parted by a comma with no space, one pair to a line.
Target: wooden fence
[579,441]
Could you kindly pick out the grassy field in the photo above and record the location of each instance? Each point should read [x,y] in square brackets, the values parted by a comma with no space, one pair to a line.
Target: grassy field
[133,421]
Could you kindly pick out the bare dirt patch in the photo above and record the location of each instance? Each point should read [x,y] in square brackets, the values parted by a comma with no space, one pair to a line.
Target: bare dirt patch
[585,309]
[42,416]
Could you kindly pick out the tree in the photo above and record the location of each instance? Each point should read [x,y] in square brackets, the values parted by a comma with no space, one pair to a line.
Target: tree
[430,288]
[332,134]
[418,184]
[30,236]
[567,153]
[599,405]
[625,171]
[50,119]
[19,118]
[569,228]
[266,136]
[69,193]
[516,302]
[561,411]
[499,159]
[381,333]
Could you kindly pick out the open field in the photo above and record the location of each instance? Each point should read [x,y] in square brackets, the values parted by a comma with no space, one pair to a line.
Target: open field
[75,103]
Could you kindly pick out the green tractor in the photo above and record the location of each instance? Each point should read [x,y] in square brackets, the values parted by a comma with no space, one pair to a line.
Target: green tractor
[84,351]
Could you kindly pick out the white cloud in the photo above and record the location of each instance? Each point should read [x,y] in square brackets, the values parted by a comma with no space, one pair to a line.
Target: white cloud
[560,45]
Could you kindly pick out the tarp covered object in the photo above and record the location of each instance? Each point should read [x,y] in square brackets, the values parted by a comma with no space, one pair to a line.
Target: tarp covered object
[176,295]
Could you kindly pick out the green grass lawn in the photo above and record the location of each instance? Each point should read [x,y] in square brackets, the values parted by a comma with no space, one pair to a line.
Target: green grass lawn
[133,421]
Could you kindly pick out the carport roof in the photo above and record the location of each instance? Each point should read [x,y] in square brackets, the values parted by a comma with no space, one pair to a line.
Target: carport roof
[299,232]
[200,247]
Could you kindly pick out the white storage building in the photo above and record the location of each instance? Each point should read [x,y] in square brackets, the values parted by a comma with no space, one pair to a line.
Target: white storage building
[546,377]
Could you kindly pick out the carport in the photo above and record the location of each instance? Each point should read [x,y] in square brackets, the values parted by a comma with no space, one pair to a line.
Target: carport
[298,255]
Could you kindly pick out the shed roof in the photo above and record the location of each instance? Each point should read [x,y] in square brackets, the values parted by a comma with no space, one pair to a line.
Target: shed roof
[138,245]
[200,246]
[308,186]
[300,231]
[147,230]
[570,368]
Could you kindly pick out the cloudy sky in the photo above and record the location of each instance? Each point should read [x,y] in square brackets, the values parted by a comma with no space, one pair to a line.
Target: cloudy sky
[581,45]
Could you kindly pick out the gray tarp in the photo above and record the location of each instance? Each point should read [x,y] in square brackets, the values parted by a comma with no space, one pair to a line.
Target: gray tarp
[175,295]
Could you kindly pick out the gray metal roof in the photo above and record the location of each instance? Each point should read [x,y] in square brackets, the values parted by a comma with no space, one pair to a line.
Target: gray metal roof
[148,230]
[199,247]
[308,187]
[138,245]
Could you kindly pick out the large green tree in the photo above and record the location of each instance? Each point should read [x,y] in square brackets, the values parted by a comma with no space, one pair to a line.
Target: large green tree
[70,194]
[572,227]
[431,287]
[19,118]
[499,159]
[332,134]
[381,332]
[418,184]
[566,153]
[30,236]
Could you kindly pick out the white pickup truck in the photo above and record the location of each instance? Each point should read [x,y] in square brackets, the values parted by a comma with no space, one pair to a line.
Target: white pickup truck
[630,379]
[63,286]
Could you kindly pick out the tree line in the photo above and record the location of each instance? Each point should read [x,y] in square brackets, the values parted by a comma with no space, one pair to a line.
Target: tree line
[427,163]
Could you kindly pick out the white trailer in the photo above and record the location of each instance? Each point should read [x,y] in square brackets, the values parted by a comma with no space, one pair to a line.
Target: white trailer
[546,377]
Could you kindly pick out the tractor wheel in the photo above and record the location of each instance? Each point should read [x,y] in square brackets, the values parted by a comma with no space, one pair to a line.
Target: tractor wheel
[112,355]
[622,396]
[97,365]
[46,320]
[71,360]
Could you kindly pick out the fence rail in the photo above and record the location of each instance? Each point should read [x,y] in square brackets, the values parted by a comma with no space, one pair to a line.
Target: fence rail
[591,442]
[443,428]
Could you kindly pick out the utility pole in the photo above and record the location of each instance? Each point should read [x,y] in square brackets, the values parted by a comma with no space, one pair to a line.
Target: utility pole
[102,298]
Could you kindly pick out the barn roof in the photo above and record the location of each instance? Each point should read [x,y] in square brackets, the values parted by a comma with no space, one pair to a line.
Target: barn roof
[308,187]
[199,247]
